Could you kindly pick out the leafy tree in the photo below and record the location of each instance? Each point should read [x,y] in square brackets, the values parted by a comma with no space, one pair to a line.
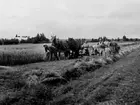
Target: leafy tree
[118,39]
[104,38]
[125,38]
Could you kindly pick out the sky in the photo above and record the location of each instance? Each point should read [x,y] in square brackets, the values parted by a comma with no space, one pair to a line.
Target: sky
[70,18]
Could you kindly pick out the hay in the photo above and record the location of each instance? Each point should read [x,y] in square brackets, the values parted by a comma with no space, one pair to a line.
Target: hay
[79,64]
[121,54]
[50,74]
[71,73]
[86,66]
[100,61]
[33,72]
[32,77]
[87,58]
[52,78]
[92,61]
[79,69]
[32,80]
[109,60]
[118,56]
[114,58]
[53,81]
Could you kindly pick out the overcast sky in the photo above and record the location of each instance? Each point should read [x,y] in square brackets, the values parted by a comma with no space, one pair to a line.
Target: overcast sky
[70,18]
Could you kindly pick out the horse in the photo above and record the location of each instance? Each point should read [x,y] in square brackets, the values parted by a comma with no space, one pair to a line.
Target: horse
[115,47]
[97,49]
[62,46]
[51,50]
[101,46]
[107,51]
[75,45]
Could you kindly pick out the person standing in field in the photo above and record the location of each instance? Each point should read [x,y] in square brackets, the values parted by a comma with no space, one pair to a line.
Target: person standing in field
[50,51]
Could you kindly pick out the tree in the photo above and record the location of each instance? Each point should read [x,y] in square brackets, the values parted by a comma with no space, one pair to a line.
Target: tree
[104,38]
[40,38]
[118,39]
[100,39]
[125,38]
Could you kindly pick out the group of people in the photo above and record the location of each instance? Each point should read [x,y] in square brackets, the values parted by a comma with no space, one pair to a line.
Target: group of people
[102,48]
[73,48]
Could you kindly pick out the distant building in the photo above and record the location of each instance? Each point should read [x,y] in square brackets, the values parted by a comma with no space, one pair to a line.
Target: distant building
[21,37]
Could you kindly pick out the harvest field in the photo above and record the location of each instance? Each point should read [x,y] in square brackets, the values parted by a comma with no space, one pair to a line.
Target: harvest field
[21,54]
[85,81]
[27,53]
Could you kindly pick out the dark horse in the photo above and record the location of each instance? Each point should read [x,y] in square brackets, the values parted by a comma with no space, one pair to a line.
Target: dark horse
[75,45]
[115,47]
[50,51]
[61,45]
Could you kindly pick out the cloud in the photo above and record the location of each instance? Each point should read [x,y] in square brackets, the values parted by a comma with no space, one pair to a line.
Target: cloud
[129,11]
[76,18]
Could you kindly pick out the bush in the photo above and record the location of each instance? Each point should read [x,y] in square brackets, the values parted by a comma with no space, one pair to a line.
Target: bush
[9,41]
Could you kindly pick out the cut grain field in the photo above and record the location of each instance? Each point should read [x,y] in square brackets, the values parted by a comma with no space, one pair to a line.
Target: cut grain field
[116,83]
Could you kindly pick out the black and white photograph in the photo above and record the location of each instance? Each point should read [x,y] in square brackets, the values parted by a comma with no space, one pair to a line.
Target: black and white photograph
[69,52]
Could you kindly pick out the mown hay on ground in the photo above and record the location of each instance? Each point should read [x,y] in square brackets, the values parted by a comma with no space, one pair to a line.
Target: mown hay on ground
[36,95]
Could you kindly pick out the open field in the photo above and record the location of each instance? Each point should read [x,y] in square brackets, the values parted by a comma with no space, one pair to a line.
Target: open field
[74,82]
[27,53]
[21,54]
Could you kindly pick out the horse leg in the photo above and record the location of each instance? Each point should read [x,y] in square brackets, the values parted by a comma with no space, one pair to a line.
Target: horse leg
[59,54]
[55,54]
[71,54]
[47,55]
[51,57]
[76,54]
[68,54]
[101,52]
[65,54]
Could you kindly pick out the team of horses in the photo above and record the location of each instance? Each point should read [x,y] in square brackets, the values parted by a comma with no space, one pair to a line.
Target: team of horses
[73,48]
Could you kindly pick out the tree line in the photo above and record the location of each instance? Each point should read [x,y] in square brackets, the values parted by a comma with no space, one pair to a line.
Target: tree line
[41,38]
[124,38]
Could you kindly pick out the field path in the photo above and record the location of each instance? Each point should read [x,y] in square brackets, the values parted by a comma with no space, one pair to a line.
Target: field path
[118,83]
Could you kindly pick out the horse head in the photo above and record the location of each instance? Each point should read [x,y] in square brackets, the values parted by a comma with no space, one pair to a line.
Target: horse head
[46,47]
[53,38]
